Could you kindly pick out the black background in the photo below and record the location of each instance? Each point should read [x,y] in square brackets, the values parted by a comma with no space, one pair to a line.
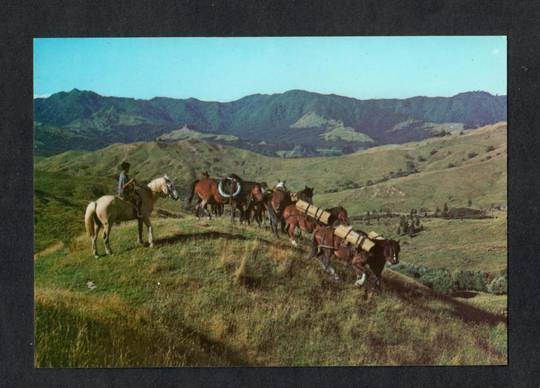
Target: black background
[22,21]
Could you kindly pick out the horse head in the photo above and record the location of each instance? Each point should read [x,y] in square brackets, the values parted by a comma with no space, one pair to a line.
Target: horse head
[306,194]
[391,250]
[342,216]
[164,186]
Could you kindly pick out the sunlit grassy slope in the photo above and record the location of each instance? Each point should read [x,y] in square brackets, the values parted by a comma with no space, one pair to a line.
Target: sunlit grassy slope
[213,293]
[451,169]
[474,245]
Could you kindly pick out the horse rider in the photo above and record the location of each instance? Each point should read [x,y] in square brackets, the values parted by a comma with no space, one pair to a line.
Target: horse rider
[126,189]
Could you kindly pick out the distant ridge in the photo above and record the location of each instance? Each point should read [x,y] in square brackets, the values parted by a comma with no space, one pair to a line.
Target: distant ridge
[319,122]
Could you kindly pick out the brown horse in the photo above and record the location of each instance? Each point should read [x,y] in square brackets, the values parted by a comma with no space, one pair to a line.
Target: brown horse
[295,218]
[256,207]
[278,200]
[338,216]
[326,244]
[207,192]
[231,190]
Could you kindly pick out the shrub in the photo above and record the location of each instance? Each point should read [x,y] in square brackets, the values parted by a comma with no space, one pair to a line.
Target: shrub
[490,148]
[439,280]
[410,166]
[421,158]
[498,286]
[470,280]
[451,165]
[433,151]
[471,155]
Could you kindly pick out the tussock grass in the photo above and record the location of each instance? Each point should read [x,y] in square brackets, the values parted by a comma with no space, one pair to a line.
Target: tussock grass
[232,295]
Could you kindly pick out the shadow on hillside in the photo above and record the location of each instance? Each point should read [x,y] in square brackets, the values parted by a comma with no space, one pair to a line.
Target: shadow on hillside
[180,237]
[140,344]
[209,346]
[461,310]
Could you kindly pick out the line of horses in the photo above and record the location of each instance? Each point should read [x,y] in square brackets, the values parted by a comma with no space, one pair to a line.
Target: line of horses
[255,202]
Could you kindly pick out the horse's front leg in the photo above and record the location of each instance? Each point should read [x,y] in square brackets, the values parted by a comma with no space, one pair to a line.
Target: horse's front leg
[360,276]
[106,237]
[359,266]
[150,234]
[140,230]
[291,231]
[325,261]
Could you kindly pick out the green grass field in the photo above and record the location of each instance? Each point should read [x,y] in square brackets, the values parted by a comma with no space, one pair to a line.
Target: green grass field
[212,293]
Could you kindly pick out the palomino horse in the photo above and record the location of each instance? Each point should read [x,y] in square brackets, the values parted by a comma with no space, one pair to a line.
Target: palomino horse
[278,200]
[295,218]
[110,209]
[326,243]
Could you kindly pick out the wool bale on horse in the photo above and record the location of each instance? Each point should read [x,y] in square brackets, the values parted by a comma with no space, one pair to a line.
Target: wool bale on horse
[306,216]
[281,199]
[327,243]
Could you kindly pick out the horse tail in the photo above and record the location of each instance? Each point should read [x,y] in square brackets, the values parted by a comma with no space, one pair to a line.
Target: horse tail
[192,192]
[90,218]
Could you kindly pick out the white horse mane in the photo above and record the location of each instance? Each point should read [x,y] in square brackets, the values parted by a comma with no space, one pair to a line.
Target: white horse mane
[156,183]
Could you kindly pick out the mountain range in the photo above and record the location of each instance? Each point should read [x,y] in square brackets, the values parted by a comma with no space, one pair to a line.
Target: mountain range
[291,124]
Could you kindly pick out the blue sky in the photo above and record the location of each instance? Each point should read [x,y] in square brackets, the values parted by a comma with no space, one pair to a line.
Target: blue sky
[225,69]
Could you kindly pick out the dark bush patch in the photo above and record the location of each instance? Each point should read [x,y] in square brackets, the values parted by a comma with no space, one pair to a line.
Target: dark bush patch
[498,286]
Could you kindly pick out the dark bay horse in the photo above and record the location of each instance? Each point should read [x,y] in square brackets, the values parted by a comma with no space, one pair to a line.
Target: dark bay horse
[256,204]
[295,218]
[249,195]
[326,244]
[278,200]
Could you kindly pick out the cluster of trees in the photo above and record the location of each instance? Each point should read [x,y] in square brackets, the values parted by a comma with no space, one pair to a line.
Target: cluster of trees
[377,215]
[410,224]
[444,212]
[448,282]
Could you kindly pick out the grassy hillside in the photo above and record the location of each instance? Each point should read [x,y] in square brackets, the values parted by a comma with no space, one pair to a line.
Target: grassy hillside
[479,245]
[59,204]
[222,294]
[452,169]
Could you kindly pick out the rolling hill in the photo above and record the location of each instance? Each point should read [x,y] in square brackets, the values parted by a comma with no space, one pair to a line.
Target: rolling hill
[452,169]
[267,124]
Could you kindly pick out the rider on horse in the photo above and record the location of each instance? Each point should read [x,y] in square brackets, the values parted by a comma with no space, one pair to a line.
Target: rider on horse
[126,189]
